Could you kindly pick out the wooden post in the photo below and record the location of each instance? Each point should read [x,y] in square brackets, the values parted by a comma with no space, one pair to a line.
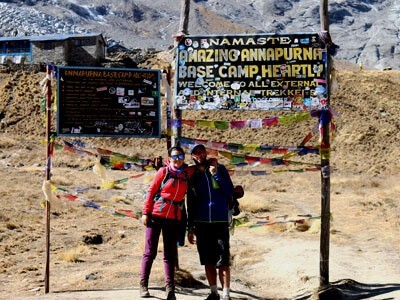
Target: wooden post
[325,172]
[48,175]
[184,21]
[168,96]
[177,114]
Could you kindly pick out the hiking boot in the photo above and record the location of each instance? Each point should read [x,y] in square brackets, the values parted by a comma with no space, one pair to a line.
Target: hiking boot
[213,296]
[170,292]
[143,290]
[171,295]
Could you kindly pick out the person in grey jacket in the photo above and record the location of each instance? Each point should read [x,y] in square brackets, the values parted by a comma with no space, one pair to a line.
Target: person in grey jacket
[209,195]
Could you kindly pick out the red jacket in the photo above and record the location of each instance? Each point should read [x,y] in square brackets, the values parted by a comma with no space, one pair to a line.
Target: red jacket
[165,199]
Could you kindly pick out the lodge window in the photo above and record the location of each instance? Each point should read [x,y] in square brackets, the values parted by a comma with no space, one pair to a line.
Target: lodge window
[84,42]
[14,47]
[49,46]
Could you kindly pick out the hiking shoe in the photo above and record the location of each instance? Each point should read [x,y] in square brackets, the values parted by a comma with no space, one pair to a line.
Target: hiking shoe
[213,296]
[171,295]
[170,292]
[144,290]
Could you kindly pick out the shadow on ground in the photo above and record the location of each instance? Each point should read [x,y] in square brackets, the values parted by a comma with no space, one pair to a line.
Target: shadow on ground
[348,289]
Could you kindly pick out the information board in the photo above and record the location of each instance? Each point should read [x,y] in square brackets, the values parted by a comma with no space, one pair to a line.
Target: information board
[252,72]
[108,102]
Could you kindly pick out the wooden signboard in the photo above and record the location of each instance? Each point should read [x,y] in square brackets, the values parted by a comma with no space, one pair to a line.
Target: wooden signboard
[108,102]
[252,72]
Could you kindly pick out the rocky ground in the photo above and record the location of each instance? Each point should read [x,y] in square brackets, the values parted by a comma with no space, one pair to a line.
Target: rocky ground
[92,249]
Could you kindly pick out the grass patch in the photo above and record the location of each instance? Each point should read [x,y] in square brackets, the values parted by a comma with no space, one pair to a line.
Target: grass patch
[74,255]
[254,203]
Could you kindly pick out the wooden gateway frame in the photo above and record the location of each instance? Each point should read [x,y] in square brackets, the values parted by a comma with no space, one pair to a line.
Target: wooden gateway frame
[176,134]
[183,97]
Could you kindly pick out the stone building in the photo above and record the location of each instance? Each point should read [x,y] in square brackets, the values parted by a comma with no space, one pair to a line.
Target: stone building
[66,49]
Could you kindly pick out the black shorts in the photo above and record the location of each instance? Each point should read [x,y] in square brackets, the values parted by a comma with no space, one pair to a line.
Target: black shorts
[213,243]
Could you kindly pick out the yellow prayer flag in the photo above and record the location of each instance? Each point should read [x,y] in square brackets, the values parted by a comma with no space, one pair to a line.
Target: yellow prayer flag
[250,147]
[286,120]
[107,185]
[303,116]
[205,123]
[226,154]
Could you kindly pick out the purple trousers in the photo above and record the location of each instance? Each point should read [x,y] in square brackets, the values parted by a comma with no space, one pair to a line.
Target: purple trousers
[170,236]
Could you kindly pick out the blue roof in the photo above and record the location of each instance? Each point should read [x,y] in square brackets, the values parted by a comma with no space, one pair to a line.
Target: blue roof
[55,37]
[14,38]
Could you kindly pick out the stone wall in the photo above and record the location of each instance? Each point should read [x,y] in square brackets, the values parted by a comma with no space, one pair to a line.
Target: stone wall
[42,52]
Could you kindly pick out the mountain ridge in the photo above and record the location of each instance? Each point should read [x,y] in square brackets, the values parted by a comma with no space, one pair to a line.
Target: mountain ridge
[364,37]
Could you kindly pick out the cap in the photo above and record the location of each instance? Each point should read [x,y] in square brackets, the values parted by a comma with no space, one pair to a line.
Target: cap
[197,145]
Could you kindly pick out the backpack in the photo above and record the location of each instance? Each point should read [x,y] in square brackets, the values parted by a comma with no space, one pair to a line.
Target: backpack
[163,202]
[238,192]
[167,176]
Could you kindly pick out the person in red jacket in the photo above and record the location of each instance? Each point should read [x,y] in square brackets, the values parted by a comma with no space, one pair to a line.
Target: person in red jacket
[162,213]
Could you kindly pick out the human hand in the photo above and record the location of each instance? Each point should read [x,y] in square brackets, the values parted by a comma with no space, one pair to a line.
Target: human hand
[145,219]
[213,166]
[190,236]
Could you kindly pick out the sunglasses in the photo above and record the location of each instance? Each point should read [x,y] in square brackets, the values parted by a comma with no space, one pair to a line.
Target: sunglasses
[178,156]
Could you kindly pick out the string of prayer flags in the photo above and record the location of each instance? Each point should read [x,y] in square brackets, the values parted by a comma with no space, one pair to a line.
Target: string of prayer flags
[234,172]
[243,160]
[240,124]
[120,212]
[233,147]
[110,159]
[118,161]
[284,221]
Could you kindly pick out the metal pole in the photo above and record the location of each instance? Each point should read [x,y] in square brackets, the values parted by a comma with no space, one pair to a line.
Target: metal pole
[48,149]
[325,173]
